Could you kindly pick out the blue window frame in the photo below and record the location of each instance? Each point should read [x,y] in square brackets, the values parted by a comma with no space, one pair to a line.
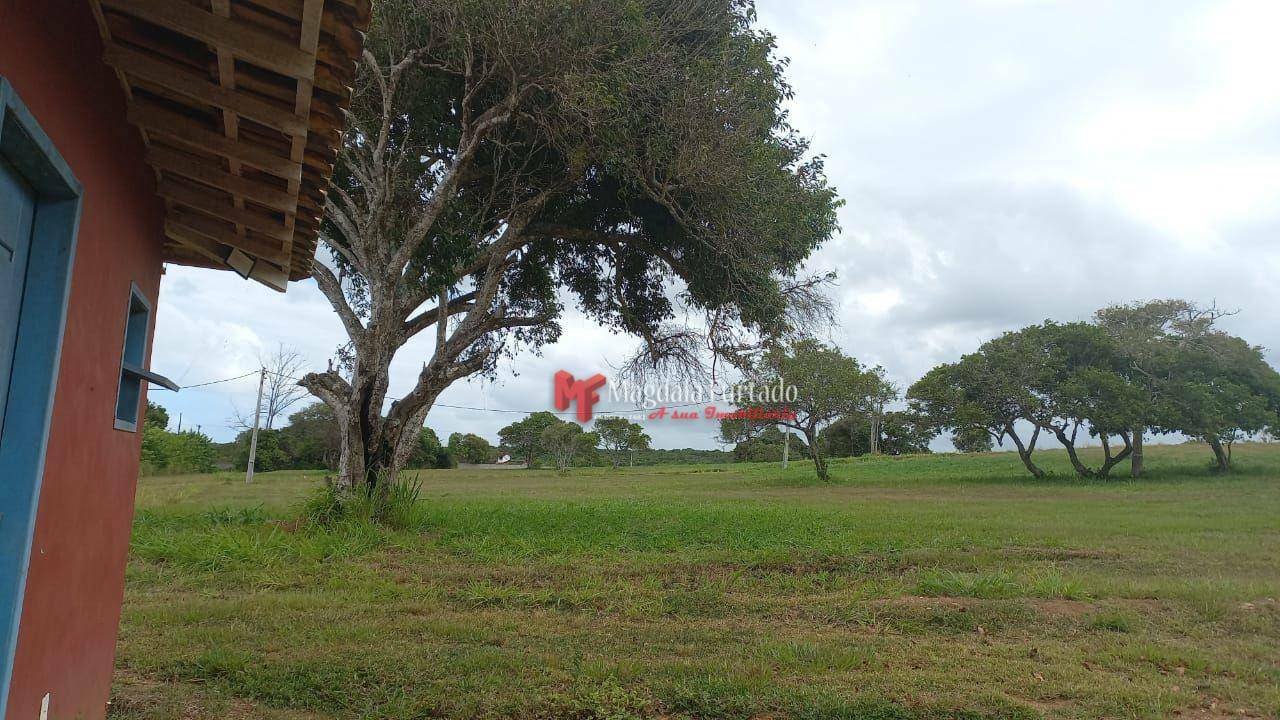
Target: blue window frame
[132,373]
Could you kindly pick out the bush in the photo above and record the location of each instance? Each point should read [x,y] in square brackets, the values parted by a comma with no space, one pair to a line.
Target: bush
[429,453]
[184,452]
[470,448]
[270,455]
[397,507]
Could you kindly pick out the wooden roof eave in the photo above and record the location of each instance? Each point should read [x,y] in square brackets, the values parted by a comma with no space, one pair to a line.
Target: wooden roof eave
[240,106]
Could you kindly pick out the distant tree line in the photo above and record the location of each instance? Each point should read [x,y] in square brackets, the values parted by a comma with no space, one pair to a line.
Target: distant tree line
[1155,367]
[1158,367]
[310,442]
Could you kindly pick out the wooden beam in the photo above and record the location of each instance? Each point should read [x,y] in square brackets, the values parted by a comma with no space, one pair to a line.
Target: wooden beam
[195,168]
[224,210]
[194,241]
[309,40]
[270,275]
[192,133]
[180,253]
[186,83]
[242,40]
[176,228]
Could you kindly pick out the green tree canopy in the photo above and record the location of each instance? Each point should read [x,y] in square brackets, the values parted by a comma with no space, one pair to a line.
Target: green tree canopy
[620,437]
[1195,378]
[971,440]
[566,440]
[470,448]
[310,440]
[827,384]
[901,433]
[525,436]
[156,417]
[430,453]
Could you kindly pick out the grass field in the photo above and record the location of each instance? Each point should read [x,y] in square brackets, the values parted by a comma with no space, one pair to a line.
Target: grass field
[920,587]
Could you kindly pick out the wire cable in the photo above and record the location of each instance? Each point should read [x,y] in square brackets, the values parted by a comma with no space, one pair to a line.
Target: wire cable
[215,382]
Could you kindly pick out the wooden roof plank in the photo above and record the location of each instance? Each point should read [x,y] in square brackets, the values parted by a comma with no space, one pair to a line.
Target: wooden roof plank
[201,89]
[242,40]
[194,168]
[207,204]
[276,73]
[178,229]
[192,133]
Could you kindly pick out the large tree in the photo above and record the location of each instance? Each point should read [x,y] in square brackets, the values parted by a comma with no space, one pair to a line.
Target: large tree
[1195,378]
[633,154]
[525,436]
[621,438]
[311,438]
[563,441]
[1078,380]
[828,384]
[1059,378]
[469,448]
[984,391]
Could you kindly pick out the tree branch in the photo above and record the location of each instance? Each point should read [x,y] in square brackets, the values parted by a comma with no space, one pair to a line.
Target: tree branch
[332,290]
[431,316]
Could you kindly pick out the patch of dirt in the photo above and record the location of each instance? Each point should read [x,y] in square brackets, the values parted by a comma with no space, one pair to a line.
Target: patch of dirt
[1063,608]
[1211,709]
[920,601]
[1046,553]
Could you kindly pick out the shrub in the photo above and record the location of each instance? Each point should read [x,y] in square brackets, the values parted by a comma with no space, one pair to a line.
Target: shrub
[397,507]
[184,452]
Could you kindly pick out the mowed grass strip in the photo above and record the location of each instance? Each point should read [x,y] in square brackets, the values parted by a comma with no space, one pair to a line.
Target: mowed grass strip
[918,587]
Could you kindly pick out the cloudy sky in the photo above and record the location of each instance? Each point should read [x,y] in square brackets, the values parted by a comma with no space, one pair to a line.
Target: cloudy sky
[1003,162]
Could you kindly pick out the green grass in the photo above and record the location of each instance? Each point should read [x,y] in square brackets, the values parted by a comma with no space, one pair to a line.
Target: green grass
[920,587]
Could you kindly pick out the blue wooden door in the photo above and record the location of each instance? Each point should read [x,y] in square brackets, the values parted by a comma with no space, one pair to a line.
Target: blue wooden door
[17,208]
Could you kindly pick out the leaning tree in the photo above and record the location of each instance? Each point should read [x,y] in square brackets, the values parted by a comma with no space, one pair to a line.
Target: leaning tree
[501,157]
[827,385]
[1196,379]
[984,392]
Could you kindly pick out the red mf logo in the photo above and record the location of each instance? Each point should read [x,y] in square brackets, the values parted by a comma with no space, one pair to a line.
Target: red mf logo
[583,392]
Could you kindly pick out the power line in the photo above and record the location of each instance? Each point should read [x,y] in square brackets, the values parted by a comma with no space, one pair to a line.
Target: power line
[215,382]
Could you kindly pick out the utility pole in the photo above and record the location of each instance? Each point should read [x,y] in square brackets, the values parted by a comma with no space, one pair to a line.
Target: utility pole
[876,414]
[253,439]
[786,444]
[179,422]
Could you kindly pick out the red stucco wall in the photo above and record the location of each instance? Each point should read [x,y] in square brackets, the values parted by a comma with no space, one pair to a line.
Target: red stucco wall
[51,53]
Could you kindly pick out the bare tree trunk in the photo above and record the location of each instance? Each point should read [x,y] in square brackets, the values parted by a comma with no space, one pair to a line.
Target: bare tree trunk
[1113,460]
[1069,442]
[1222,460]
[1135,458]
[1024,451]
[815,452]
